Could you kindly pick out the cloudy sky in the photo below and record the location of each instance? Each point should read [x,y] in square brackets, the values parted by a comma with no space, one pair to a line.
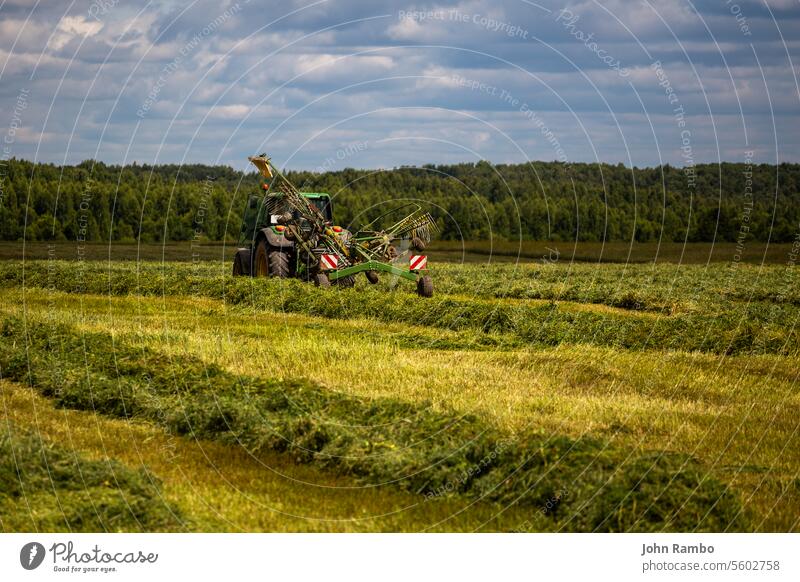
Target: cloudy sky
[371,83]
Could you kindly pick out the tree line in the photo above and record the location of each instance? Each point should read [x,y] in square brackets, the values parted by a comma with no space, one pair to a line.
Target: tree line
[94,201]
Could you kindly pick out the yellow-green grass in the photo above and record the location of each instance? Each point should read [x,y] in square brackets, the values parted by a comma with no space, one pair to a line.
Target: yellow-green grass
[716,309]
[738,414]
[223,488]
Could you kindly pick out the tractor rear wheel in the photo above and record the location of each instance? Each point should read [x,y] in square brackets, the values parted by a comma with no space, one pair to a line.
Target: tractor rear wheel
[425,286]
[261,263]
[321,280]
[372,277]
[278,263]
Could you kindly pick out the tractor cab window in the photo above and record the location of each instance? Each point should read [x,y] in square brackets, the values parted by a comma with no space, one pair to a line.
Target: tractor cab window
[323,205]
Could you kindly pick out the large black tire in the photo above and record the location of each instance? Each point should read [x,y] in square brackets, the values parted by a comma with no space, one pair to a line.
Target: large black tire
[261,262]
[425,286]
[372,277]
[241,263]
[278,263]
[321,280]
[418,244]
[345,281]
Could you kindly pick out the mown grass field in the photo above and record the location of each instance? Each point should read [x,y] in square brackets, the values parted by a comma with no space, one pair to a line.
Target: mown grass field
[531,395]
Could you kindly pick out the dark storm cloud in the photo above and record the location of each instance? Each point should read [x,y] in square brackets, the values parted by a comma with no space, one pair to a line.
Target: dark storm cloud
[417,82]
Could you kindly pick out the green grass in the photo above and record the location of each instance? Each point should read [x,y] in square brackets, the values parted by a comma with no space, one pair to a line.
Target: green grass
[707,309]
[47,487]
[225,488]
[722,404]
[380,442]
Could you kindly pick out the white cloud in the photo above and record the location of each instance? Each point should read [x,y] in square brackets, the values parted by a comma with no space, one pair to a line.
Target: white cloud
[329,67]
[71,27]
[238,111]
[410,29]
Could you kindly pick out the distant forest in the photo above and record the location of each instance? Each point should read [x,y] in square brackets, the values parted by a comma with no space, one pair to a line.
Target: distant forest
[542,200]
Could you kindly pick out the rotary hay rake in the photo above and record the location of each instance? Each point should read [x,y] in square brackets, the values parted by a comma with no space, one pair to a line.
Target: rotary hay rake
[296,229]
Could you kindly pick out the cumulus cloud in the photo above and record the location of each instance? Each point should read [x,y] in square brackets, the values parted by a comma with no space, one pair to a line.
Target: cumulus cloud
[444,81]
[238,111]
[71,27]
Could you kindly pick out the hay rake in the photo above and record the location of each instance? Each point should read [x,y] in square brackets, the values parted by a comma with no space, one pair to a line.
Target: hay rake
[289,233]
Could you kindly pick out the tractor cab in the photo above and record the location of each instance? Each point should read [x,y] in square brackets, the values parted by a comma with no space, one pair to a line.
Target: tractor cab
[259,214]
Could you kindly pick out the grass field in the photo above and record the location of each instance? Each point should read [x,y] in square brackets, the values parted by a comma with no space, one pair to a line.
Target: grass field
[532,395]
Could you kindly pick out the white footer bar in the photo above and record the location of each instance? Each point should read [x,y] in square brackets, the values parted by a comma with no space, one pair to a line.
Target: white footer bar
[389,557]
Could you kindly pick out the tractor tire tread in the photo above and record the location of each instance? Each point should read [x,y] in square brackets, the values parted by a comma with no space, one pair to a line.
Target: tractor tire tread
[278,263]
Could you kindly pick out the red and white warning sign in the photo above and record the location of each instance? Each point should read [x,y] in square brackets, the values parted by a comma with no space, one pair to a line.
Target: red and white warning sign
[328,261]
[418,262]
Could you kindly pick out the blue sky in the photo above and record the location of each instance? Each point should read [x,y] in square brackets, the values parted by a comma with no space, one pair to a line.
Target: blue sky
[377,84]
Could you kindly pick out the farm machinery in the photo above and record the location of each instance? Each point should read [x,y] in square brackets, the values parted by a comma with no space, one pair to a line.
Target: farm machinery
[288,233]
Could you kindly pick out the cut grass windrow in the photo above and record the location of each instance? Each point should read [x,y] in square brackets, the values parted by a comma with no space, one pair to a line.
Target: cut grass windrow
[738,328]
[63,490]
[578,484]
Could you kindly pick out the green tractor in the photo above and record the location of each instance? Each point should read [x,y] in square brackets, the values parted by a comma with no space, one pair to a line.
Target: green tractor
[287,233]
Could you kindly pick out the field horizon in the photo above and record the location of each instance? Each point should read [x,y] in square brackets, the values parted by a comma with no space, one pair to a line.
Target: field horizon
[468,251]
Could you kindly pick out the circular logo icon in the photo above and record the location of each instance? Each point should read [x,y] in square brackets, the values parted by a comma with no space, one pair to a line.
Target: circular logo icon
[31,555]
